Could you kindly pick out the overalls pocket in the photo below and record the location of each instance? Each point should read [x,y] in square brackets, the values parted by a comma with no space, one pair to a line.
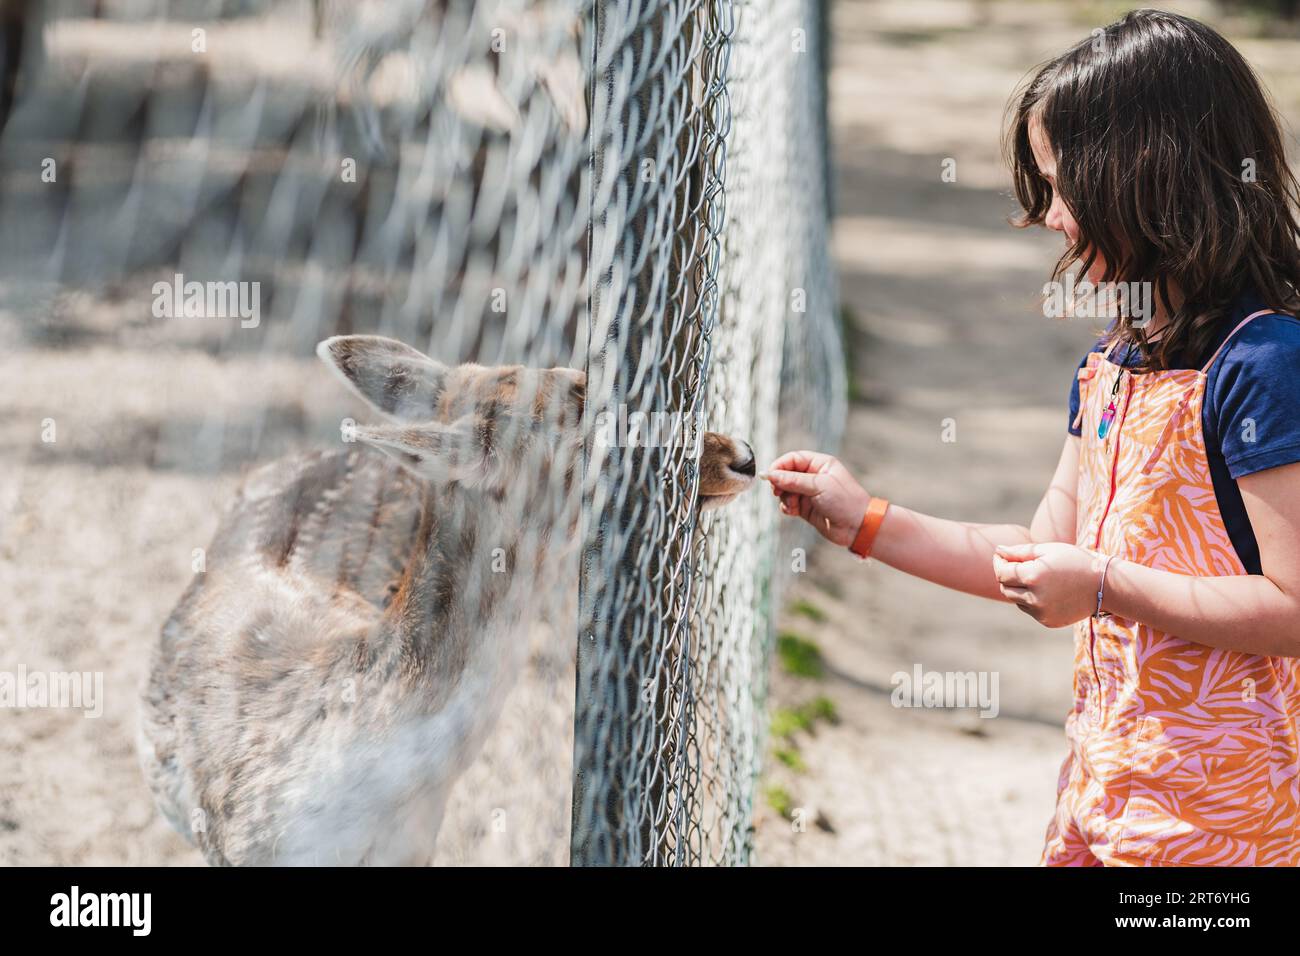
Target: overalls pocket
[1199,793]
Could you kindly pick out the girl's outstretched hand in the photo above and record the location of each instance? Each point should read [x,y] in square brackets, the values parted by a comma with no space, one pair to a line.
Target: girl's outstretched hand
[819,489]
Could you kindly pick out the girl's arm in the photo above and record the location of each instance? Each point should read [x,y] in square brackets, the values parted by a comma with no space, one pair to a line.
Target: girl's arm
[1055,518]
[1252,613]
[955,554]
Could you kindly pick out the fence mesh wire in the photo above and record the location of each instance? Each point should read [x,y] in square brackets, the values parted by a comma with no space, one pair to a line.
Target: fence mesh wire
[676,617]
[634,187]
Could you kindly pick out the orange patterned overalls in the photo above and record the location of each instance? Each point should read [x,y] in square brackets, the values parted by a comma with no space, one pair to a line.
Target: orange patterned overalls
[1180,754]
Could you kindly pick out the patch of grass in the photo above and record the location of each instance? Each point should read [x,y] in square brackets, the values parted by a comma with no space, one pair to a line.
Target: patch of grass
[779,799]
[822,708]
[786,721]
[791,757]
[808,610]
[799,656]
[848,336]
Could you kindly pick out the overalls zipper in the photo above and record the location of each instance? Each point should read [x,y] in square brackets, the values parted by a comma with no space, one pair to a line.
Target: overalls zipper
[1109,426]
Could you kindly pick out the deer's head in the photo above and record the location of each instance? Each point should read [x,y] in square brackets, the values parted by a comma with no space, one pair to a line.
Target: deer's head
[488,427]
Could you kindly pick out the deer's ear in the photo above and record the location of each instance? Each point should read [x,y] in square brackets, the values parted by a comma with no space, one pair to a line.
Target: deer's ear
[395,379]
[435,452]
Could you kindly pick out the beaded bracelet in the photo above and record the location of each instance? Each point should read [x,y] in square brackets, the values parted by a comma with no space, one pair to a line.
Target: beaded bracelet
[1101,588]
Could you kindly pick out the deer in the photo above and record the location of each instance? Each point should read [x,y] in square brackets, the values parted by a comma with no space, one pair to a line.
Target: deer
[346,650]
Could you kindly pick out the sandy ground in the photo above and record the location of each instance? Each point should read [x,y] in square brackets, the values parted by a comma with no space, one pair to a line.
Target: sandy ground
[97,532]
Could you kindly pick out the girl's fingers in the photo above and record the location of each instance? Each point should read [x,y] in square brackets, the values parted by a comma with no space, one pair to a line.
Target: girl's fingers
[799,461]
[1022,596]
[796,506]
[1007,572]
[800,506]
[1018,552]
[795,481]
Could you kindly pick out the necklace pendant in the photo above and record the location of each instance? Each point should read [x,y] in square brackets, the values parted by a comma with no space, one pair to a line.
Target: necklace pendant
[1107,419]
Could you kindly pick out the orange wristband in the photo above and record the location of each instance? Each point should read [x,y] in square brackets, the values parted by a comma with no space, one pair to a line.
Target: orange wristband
[871,522]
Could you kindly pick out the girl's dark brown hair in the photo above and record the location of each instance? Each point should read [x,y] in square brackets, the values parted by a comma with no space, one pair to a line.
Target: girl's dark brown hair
[1170,159]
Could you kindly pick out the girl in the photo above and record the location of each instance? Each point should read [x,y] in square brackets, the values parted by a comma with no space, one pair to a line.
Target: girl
[1170,534]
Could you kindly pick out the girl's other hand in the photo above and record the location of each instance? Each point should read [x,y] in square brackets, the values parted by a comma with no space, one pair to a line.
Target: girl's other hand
[819,489]
[1053,582]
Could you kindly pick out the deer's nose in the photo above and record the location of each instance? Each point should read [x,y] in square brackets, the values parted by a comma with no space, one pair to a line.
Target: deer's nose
[744,463]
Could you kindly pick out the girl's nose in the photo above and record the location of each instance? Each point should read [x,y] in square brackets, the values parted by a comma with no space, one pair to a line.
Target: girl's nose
[1054,220]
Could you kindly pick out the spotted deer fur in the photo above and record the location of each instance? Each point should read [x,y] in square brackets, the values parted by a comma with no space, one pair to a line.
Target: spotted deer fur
[339,663]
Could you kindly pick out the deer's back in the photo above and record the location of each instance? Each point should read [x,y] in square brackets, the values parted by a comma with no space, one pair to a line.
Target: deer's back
[249,684]
[344,519]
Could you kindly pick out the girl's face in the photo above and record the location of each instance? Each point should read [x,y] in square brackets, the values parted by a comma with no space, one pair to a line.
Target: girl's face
[1059,217]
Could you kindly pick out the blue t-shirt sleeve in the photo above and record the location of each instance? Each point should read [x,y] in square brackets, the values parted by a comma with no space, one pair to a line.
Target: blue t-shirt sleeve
[1074,392]
[1253,397]
[1074,401]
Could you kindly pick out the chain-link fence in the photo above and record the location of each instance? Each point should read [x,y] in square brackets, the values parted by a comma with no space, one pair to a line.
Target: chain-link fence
[731,309]
[637,187]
